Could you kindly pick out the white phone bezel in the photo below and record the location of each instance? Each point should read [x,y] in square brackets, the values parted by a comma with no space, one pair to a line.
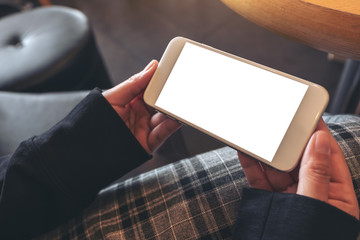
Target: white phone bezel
[302,126]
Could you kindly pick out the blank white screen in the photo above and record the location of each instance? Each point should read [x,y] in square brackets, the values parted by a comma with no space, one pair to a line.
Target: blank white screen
[243,104]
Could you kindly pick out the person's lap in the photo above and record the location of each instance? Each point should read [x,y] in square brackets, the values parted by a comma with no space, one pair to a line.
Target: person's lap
[192,199]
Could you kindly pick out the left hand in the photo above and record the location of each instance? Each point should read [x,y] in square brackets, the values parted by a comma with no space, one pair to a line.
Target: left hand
[149,127]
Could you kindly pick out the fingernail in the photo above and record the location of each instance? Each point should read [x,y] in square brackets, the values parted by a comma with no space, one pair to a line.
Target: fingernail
[149,65]
[322,143]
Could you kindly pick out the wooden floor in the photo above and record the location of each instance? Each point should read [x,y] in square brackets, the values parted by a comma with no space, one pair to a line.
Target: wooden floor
[132,32]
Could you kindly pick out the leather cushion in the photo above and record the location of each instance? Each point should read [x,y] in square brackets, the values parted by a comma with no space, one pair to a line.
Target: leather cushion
[7,9]
[35,44]
[24,115]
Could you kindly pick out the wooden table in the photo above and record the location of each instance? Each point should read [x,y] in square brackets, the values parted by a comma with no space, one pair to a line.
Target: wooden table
[45,2]
[332,26]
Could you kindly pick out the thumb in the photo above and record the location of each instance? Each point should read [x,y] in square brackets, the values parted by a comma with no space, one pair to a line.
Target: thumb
[131,88]
[315,168]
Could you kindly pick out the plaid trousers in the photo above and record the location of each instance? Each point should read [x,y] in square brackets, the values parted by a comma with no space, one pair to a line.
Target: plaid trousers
[196,198]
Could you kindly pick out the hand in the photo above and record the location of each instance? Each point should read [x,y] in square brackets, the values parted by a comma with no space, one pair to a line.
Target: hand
[150,128]
[322,174]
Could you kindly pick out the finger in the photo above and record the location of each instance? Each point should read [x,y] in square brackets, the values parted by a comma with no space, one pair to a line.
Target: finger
[131,88]
[322,126]
[151,110]
[342,171]
[280,181]
[157,118]
[295,173]
[254,172]
[140,111]
[315,169]
[161,132]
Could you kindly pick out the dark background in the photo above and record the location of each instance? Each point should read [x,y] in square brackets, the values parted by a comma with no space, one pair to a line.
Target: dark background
[130,33]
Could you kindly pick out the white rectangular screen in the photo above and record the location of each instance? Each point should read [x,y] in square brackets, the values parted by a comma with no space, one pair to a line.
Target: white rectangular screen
[243,104]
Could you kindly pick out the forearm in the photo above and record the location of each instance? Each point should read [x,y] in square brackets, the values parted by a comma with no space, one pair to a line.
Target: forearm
[267,215]
[52,177]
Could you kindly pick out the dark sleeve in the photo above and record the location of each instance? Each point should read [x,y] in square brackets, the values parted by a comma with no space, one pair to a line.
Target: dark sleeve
[266,215]
[52,177]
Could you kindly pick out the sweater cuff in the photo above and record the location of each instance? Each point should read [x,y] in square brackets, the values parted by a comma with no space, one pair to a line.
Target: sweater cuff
[268,215]
[89,149]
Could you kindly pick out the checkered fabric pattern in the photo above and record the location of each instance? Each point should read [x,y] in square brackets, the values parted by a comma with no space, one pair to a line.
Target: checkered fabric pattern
[196,198]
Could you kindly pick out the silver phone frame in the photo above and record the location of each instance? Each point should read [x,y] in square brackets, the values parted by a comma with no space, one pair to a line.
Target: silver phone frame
[299,131]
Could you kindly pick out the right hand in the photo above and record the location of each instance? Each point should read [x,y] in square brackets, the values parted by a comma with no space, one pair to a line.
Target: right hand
[323,174]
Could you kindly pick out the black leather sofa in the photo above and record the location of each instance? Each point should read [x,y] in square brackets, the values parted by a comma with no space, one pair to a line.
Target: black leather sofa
[48,62]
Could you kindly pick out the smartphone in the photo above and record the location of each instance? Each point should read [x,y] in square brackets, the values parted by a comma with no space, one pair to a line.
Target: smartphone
[257,110]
